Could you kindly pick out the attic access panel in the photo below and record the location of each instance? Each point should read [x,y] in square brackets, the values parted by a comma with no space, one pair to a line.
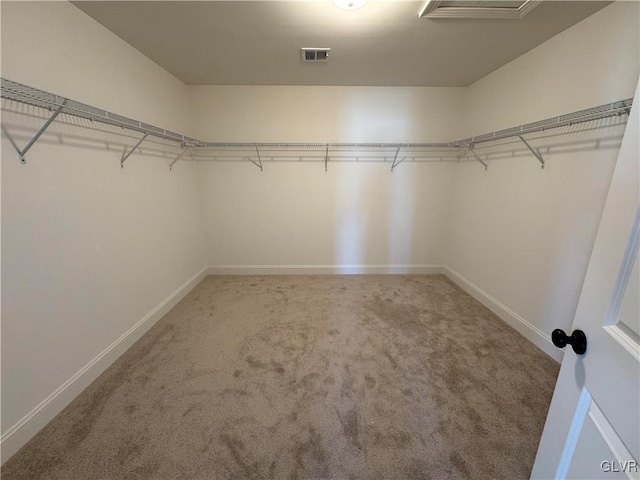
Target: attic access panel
[481,3]
[508,9]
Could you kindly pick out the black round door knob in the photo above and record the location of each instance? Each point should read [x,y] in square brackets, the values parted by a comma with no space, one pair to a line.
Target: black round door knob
[577,340]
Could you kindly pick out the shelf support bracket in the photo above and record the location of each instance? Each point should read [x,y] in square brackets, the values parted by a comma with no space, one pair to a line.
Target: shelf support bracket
[326,157]
[259,162]
[395,160]
[127,155]
[23,152]
[536,154]
[184,150]
[478,158]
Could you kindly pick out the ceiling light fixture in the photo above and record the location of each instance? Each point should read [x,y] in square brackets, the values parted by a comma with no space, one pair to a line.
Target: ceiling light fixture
[349,4]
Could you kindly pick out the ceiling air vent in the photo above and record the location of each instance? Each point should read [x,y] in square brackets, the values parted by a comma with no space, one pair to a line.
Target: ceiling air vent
[315,54]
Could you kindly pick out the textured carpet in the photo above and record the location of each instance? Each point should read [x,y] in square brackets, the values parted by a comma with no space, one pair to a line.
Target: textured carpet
[381,377]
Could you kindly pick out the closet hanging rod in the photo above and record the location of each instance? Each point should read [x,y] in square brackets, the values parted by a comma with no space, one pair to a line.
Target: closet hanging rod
[613,109]
[323,146]
[24,94]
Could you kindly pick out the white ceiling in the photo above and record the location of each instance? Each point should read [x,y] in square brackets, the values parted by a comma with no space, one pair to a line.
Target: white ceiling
[383,43]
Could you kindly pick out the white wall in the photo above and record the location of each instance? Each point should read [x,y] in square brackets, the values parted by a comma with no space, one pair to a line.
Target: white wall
[326,114]
[295,214]
[522,235]
[54,46]
[88,249]
[353,218]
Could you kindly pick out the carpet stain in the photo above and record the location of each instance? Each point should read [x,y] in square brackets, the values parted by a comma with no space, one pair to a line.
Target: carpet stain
[271,366]
[234,392]
[393,361]
[398,376]
[129,409]
[310,458]
[128,451]
[236,449]
[400,317]
[393,440]
[369,381]
[147,470]
[349,422]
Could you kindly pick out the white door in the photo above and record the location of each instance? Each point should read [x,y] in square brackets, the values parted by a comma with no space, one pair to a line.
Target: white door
[593,427]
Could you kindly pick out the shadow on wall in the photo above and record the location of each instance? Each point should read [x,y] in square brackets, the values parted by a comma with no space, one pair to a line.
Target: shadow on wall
[401,216]
[573,230]
[351,220]
[534,228]
[374,209]
[578,185]
[374,215]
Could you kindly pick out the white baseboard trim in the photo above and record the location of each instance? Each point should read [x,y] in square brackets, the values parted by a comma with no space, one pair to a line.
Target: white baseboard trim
[322,269]
[530,332]
[34,421]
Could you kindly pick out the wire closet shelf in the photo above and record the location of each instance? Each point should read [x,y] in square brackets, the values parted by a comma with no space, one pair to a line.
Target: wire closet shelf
[60,105]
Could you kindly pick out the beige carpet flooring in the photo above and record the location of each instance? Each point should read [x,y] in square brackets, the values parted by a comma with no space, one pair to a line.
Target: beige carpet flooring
[377,376]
